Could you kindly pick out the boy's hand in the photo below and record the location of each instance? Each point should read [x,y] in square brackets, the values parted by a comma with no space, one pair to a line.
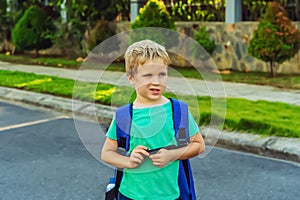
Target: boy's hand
[137,156]
[161,158]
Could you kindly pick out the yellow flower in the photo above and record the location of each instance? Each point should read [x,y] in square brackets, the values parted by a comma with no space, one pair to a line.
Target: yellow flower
[103,93]
[35,82]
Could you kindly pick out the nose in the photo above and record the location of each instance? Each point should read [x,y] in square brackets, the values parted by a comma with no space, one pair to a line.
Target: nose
[155,83]
[155,80]
[158,80]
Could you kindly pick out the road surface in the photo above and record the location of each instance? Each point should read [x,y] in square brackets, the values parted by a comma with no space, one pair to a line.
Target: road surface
[45,155]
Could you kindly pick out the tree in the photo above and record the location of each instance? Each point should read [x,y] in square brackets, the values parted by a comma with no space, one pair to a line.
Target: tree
[154,14]
[276,39]
[82,17]
[34,30]
[9,15]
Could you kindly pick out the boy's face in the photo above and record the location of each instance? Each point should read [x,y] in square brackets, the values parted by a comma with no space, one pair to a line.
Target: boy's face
[150,81]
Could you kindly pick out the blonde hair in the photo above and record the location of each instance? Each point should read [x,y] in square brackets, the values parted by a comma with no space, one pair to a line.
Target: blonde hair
[140,52]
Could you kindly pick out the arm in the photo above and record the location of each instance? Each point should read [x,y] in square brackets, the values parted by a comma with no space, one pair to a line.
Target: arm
[194,148]
[111,156]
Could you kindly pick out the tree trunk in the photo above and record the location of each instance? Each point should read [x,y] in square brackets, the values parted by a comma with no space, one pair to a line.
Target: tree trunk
[37,52]
[297,10]
[272,68]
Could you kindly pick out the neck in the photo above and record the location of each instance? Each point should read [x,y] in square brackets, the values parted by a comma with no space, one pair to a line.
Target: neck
[142,103]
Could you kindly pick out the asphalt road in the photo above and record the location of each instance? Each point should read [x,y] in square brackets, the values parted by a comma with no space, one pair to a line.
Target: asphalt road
[48,155]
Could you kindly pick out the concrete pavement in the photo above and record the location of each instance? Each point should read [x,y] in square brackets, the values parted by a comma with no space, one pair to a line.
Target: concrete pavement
[175,84]
[284,148]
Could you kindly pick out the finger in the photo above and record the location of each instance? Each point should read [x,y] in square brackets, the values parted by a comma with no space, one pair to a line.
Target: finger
[142,150]
[145,153]
[139,150]
[141,147]
[141,153]
[138,156]
[155,156]
[158,164]
[136,160]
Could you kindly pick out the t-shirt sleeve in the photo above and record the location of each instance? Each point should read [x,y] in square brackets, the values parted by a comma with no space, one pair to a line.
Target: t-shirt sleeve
[112,133]
[193,127]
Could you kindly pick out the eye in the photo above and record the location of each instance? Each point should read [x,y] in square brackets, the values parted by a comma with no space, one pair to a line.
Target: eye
[147,75]
[162,74]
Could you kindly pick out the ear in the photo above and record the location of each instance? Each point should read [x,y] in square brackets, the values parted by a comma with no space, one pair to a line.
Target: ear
[131,79]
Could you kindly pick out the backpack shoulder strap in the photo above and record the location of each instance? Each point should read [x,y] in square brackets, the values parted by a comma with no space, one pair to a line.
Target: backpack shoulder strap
[181,127]
[123,125]
[180,120]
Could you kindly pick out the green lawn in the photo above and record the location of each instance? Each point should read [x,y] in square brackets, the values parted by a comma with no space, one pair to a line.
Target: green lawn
[46,61]
[260,117]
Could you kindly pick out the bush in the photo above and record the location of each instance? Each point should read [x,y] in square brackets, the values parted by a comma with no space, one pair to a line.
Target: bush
[202,37]
[275,40]
[154,14]
[33,31]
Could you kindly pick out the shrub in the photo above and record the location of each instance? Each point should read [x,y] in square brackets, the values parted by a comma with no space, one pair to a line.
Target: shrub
[154,14]
[275,40]
[202,37]
[33,31]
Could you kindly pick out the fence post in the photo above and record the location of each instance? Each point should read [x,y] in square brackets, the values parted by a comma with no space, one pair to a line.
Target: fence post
[233,11]
[135,6]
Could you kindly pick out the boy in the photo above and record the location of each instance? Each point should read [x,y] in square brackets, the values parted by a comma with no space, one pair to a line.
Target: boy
[155,176]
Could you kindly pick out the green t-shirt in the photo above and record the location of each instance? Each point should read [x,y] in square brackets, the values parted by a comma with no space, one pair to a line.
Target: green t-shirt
[152,127]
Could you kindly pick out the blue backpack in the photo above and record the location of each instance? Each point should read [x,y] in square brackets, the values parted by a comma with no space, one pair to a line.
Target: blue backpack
[181,127]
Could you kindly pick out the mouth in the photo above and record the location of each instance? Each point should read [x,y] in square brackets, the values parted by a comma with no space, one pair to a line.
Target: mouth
[155,91]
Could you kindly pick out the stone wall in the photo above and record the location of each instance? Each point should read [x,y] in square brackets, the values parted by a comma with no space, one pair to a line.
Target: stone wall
[231,50]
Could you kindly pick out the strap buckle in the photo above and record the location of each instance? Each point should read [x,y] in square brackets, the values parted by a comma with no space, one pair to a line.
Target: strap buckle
[182,140]
[122,151]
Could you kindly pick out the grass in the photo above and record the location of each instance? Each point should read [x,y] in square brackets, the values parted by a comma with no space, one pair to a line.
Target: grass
[263,117]
[259,78]
[260,117]
[288,81]
[46,61]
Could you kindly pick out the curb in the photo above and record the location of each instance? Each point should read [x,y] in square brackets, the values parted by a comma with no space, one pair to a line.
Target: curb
[99,112]
[271,146]
[275,147]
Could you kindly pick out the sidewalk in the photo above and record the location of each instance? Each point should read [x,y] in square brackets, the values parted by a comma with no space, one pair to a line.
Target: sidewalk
[177,85]
[284,148]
